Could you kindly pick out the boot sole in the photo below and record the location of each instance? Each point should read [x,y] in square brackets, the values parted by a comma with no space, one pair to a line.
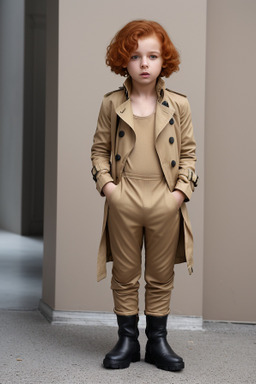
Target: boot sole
[110,364]
[170,367]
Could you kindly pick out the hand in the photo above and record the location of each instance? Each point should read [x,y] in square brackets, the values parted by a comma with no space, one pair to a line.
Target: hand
[179,196]
[108,189]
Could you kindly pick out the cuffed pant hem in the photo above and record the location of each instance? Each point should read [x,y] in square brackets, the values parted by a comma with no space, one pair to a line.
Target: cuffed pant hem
[156,314]
[131,313]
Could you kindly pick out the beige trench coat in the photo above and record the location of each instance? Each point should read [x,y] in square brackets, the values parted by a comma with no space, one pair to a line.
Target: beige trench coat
[175,146]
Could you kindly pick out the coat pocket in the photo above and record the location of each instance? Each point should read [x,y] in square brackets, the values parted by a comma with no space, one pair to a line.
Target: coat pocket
[175,201]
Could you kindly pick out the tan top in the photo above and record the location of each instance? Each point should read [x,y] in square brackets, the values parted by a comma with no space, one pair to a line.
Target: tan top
[144,162]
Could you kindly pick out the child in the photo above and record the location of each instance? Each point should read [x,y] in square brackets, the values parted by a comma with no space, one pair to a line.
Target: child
[143,158]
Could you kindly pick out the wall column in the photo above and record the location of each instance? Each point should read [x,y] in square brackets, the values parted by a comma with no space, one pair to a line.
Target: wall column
[230,210]
[51,153]
[12,24]
[77,79]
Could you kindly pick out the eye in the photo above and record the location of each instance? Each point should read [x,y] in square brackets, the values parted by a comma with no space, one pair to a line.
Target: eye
[134,57]
[153,57]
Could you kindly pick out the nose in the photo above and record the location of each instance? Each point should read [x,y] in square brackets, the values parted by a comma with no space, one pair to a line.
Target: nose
[144,62]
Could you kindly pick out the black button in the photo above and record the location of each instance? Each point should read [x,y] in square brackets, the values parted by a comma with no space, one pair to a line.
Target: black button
[173,163]
[118,157]
[171,140]
[171,121]
[121,134]
[165,104]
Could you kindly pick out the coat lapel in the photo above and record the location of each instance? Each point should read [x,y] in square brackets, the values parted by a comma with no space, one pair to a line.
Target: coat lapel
[163,113]
[124,111]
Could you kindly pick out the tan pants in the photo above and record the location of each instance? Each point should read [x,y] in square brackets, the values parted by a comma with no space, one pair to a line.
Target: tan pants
[143,208]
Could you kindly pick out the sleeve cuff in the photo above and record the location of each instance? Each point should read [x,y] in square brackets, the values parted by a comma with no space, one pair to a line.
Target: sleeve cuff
[186,188]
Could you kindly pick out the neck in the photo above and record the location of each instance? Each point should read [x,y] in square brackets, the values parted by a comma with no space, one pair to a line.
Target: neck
[146,90]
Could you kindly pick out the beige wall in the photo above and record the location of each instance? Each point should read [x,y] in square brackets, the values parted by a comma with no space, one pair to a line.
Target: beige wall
[230,209]
[222,209]
[77,82]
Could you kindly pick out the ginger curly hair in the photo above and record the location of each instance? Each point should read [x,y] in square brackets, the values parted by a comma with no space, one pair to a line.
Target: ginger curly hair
[126,41]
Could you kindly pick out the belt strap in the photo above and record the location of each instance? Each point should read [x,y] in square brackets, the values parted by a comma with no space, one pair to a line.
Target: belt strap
[190,175]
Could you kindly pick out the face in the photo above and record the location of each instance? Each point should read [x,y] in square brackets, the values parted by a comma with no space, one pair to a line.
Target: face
[145,64]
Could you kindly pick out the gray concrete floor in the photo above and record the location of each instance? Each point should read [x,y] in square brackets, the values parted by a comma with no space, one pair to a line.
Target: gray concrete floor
[20,271]
[32,351]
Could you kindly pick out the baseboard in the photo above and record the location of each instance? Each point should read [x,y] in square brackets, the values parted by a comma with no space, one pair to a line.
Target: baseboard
[109,319]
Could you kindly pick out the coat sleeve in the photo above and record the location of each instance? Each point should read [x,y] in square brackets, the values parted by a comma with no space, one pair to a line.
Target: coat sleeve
[187,179]
[101,148]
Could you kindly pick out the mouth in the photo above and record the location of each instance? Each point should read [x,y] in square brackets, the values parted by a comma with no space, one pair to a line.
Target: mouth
[144,74]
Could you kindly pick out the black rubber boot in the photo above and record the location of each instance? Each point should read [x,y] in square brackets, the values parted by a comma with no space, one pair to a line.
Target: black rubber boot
[127,349]
[158,351]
